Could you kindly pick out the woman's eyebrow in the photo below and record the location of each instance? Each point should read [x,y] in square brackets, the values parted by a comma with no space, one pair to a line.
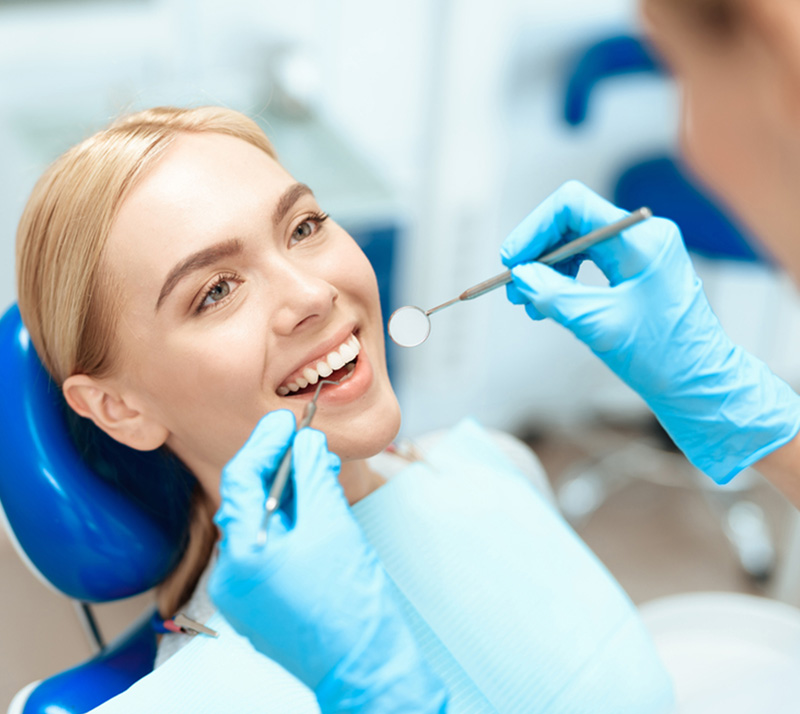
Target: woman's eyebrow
[197,261]
[290,196]
[203,258]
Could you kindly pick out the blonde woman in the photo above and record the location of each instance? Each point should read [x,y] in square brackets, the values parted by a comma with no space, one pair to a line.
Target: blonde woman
[179,285]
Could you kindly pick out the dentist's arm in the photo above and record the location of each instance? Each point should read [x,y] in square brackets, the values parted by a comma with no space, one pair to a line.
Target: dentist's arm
[782,469]
[654,328]
[315,599]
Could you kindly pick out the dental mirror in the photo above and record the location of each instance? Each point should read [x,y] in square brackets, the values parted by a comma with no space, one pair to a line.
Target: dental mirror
[410,325]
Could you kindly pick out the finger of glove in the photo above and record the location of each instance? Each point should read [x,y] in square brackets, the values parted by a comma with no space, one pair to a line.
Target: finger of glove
[244,480]
[533,313]
[569,211]
[572,211]
[315,470]
[578,307]
[517,297]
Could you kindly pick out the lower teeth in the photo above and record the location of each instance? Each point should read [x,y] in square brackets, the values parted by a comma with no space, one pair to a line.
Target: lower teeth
[333,377]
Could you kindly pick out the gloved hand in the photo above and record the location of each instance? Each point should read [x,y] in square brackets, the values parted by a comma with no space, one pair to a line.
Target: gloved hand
[655,329]
[315,599]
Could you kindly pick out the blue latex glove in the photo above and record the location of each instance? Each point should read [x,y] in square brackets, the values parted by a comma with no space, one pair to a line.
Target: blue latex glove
[315,599]
[655,329]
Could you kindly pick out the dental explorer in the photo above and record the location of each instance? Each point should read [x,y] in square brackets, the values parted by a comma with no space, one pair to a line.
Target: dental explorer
[410,326]
[282,475]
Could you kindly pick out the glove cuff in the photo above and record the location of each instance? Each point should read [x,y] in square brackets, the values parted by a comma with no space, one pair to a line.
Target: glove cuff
[384,674]
[735,417]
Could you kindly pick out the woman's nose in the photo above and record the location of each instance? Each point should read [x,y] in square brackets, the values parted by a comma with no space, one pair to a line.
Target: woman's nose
[304,300]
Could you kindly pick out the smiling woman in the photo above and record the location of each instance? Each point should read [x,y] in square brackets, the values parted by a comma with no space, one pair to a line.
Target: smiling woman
[183,223]
[187,293]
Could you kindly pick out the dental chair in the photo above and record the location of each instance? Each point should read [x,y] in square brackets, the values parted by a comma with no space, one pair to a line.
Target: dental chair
[85,523]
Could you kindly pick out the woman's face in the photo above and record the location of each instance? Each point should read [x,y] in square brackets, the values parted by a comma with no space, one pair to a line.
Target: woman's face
[233,285]
[739,133]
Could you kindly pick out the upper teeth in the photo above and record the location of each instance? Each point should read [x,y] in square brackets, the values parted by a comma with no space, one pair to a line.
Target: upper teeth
[344,353]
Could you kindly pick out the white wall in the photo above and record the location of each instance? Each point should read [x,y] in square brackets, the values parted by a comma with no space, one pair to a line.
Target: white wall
[499,146]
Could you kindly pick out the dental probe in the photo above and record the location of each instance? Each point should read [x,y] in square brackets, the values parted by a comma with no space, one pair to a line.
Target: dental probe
[410,326]
[282,476]
[562,253]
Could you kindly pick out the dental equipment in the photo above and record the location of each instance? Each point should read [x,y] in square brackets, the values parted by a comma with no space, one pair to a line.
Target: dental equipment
[410,325]
[282,476]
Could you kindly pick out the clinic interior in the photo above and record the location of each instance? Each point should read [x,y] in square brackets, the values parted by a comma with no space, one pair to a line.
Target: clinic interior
[439,151]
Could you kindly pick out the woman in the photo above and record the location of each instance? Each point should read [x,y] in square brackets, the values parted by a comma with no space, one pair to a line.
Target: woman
[179,284]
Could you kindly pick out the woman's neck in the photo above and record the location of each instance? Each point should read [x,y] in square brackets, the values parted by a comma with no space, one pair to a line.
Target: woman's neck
[358,480]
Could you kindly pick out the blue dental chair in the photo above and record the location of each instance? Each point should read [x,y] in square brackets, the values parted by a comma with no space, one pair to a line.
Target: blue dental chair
[85,521]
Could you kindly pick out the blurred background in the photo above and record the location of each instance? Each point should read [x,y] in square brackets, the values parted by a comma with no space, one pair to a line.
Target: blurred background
[429,129]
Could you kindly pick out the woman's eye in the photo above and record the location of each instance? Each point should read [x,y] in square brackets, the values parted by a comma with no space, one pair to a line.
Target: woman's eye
[216,293]
[308,227]
[305,229]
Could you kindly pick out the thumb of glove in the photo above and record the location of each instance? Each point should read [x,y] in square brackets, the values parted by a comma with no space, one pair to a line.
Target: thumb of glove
[315,468]
[243,486]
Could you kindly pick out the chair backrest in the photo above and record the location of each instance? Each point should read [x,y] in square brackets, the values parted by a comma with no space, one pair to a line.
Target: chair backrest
[91,518]
[94,525]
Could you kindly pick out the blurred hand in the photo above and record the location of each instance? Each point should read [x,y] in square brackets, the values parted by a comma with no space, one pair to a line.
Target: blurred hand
[654,328]
[315,599]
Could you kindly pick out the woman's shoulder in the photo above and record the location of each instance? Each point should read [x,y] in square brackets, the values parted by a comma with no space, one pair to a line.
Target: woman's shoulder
[466,434]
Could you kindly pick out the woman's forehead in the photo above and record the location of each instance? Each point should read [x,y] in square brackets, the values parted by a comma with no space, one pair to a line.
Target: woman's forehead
[199,167]
[203,185]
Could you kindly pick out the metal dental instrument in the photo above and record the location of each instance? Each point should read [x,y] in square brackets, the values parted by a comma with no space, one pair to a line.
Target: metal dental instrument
[282,476]
[191,627]
[410,326]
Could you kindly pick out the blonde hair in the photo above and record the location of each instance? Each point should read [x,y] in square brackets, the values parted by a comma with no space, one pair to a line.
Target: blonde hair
[65,298]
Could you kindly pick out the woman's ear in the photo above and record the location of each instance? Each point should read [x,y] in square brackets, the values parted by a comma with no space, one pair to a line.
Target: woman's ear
[110,411]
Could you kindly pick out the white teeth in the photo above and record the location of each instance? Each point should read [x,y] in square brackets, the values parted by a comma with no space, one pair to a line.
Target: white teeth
[347,353]
[335,361]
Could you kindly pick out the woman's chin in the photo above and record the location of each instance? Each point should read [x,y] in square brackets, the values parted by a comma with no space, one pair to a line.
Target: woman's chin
[369,437]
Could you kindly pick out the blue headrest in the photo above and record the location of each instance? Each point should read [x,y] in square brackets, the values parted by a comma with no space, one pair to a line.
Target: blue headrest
[101,524]
[609,57]
[663,186]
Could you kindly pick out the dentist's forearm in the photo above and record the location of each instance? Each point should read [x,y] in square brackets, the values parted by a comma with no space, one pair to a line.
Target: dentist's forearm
[782,469]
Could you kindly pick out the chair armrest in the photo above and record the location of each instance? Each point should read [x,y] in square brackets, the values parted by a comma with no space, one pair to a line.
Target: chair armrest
[80,689]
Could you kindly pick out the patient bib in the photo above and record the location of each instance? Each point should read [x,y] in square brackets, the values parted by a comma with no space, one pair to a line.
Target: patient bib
[507,604]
